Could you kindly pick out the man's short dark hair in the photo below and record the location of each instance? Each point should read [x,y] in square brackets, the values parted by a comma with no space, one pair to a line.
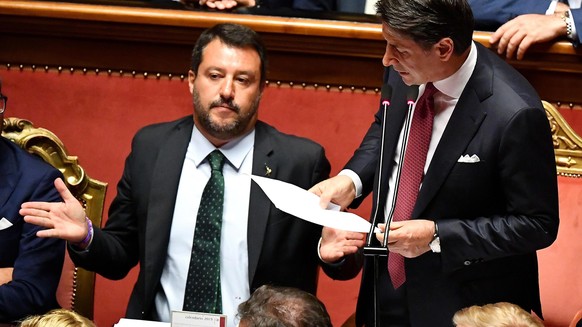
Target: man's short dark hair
[428,21]
[233,35]
[273,306]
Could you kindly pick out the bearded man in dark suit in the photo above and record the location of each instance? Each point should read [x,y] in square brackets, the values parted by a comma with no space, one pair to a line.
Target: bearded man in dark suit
[154,215]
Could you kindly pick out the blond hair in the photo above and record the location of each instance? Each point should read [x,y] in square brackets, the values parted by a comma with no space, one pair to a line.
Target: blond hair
[502,314]
[57,318]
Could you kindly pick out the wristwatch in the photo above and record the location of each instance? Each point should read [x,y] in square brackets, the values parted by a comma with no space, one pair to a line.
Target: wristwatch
[435,244]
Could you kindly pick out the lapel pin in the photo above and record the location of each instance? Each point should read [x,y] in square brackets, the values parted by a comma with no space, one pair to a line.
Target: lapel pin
[267,170]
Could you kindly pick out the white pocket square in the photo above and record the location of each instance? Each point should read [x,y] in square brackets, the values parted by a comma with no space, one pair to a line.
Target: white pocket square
[4,223]
[469,159]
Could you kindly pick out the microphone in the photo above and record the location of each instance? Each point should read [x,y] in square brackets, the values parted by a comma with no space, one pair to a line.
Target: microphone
[385,98]
[411,95]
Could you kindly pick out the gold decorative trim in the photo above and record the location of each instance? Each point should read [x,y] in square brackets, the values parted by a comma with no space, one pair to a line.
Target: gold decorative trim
[182,77]
[90,192]
[567,144]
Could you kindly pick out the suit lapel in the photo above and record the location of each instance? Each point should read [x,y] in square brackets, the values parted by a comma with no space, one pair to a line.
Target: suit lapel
[464,123]
[162,199]
[260,205]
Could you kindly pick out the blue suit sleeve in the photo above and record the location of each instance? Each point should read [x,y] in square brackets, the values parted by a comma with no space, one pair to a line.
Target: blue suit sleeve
[577,15]
[314,5]
[489,15]
[38,264]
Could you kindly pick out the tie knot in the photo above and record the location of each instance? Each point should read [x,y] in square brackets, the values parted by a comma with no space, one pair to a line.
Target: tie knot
[216,160]
[425,104]
[429,90]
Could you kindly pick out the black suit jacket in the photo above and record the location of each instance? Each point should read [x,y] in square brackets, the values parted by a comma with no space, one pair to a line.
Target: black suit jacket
[492,215]
[281,248]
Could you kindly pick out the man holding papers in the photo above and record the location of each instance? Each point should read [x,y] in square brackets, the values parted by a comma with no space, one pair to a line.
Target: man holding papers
[474,189]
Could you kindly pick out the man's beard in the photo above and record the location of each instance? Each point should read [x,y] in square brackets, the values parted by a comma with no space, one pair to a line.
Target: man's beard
[226,131]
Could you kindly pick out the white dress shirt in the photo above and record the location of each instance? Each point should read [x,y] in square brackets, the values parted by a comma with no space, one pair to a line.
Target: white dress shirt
[234,276]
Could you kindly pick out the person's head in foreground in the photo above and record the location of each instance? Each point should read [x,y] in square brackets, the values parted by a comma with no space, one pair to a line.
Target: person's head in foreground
[272,306]
[57,318]
[500,314]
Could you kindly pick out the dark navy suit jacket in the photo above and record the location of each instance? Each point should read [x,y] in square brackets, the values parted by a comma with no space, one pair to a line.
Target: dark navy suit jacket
[37,262]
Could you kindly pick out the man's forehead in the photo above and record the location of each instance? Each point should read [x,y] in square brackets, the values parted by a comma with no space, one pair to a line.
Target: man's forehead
[218,44]
[394,35]
[219,51]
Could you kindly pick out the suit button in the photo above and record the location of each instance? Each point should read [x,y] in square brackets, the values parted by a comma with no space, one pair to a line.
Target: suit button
[467,262]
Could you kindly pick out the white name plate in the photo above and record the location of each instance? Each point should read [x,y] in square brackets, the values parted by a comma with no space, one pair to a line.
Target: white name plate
[197,319]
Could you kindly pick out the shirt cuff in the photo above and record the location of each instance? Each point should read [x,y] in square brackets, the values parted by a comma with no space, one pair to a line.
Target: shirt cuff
[355,179]
[573,35]
[552,7]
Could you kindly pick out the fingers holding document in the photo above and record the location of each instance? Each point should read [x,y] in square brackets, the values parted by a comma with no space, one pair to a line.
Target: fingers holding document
[339,190]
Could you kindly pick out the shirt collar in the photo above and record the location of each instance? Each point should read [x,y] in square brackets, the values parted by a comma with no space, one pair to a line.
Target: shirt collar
[454,85]
[235,151]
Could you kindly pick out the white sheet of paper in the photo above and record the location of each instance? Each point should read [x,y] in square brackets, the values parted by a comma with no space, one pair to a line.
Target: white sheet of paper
[305,205]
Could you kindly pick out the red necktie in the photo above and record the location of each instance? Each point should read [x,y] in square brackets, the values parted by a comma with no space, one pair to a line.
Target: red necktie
[412,172]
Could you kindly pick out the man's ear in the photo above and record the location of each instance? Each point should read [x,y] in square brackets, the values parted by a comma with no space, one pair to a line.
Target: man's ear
[445,48]
[191,79]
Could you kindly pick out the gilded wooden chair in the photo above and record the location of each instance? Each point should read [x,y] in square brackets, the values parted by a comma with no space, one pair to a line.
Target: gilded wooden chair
[76,288]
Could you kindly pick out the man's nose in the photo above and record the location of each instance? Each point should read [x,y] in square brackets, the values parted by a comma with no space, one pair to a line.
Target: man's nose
[227,89]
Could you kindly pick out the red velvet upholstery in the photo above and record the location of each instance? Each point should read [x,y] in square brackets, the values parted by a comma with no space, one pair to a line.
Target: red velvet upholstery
[561,263]
[97,115]
[66,288]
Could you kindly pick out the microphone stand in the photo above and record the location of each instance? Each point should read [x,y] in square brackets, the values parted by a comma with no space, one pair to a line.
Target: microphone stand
[411,96]
[369,249]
